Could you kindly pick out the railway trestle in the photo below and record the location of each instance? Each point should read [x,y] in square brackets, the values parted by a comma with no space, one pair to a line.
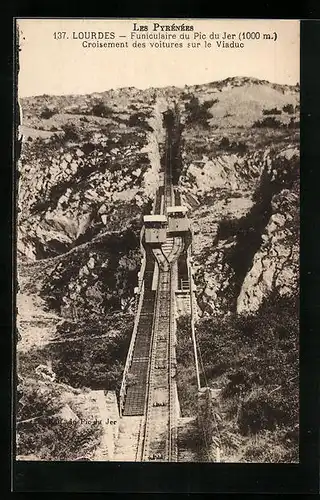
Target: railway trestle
[149,391]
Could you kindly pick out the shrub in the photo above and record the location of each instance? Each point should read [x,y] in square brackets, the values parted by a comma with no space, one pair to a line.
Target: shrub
[42,432]
[70,132]
[29,360]
[224,143]
[259,356]
[288,108]
[57,439]
[272,111]
[235,147]
[96,364]
[184,96]
[273,447]
[210,103]
[239,380]
[139,120]
[88,148]
[47,113]
[36,398]
[101,109]
[270,122]
[259,412]
[293,123]
[198,113]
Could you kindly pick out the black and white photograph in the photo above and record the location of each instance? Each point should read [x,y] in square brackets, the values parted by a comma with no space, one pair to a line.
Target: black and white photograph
[157,201]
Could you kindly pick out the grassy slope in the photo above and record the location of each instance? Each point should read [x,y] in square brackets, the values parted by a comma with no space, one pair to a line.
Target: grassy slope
[254,361]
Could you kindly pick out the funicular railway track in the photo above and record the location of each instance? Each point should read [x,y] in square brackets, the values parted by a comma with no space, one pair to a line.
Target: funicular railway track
[158,441]
[137,385]
[151,391]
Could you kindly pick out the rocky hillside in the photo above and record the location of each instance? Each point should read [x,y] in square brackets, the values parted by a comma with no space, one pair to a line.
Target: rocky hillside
[88,170]
[240,152]
[240,178]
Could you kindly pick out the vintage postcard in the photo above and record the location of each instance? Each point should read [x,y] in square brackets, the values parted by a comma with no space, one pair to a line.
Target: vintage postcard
[157,240]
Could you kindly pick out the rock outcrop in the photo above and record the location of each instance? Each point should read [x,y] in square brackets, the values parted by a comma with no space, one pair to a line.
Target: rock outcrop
[275,267]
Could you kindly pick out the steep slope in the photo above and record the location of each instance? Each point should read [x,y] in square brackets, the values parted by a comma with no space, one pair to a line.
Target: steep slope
[88,171]
[240,178]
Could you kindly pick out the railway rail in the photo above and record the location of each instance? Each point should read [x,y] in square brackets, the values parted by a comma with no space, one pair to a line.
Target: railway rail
[153,391]
[157,442]
[159,434]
